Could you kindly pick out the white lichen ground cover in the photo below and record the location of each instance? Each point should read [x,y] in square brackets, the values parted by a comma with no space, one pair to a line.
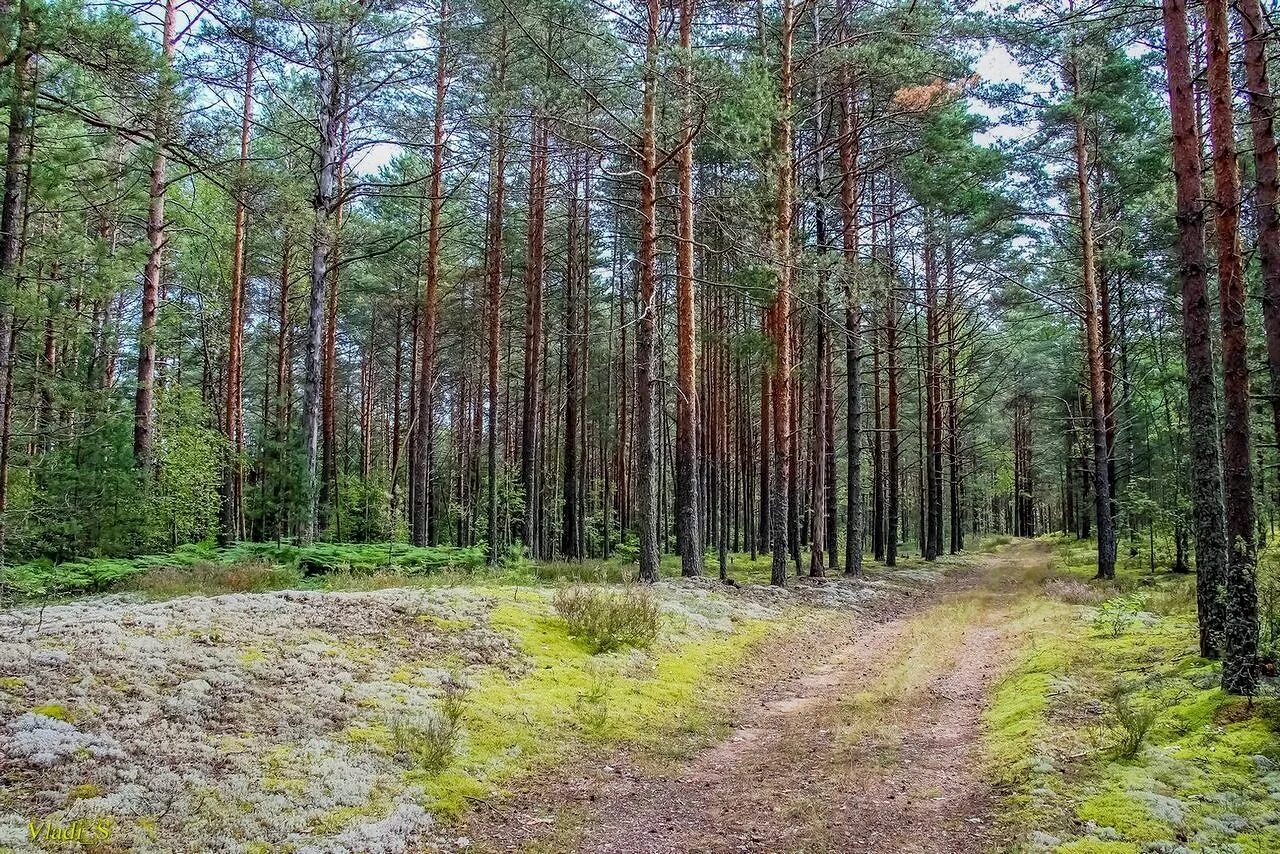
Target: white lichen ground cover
[262,722]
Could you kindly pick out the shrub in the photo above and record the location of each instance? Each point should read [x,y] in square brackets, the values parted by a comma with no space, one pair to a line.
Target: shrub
[1116,615]
[1132,721]
[1174,600]
[429,742]
[593,703]
[607,620]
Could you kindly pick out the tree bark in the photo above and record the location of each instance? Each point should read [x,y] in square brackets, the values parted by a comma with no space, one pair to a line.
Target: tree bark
[570,540]
[1093,344]
[429,317]
[1261,117]
[12,219]
[534,274]
[493,301]
[646,439]
[853,533]
[1208,518]
[144,399]
[780,313]
[1240,624]
[688,531]
[233,489]
[328,60]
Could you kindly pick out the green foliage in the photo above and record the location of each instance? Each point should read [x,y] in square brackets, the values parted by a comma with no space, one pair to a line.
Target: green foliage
[1131,718]
[429,743]
[1118,614]
[210,578]
[246,566]
[190,459]
[361,557]
[607,620]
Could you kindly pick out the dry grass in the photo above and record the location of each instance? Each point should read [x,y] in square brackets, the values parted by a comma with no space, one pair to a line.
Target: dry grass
[1073,591]
[209,578]
[607,620]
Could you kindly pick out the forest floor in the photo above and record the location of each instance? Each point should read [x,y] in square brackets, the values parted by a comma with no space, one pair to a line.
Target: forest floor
[992,701]
[863,736]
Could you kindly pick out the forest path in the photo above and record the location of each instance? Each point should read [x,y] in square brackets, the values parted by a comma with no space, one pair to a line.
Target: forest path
[867,739]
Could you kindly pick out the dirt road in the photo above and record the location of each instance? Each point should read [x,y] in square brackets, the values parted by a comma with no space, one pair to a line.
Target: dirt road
[866,739]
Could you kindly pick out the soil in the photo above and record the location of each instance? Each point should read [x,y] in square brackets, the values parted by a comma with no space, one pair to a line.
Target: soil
[783,780]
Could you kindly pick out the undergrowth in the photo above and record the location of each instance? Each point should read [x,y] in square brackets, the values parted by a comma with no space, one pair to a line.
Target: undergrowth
[243,567]
[609,619]
[1112,735]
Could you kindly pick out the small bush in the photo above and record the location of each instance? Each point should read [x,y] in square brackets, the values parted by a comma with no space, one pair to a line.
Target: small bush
[1116,615]
[608,620]
[1131,721]
[593,703]
[428,743]
[1174,600]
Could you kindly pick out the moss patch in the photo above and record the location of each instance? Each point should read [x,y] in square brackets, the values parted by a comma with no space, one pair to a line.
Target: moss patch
[55,711]
[569,697]
[1205,773]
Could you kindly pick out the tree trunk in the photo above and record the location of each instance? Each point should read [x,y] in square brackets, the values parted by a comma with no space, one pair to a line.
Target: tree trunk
[688,531]
[570,541]
[233,489]
[780,314]
[1240,625]
[533,280]
[144,400]
[646,452]
[1208,519]
[429,317]
[853,533]
[953,406]
[493,302]
[1261,116]
[893,502]
[1093,345]
[12,219]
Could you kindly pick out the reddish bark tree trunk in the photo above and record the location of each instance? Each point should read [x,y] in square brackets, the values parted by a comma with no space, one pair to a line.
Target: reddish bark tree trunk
[1093,347]
[144,399]
[688,532]
[1208,520]
[780,314]
[1240,624]
[232,518]
[533,282]
[429,317]
[646,451]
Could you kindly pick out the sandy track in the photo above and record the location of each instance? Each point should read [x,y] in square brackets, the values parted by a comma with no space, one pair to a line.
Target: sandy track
[785,779]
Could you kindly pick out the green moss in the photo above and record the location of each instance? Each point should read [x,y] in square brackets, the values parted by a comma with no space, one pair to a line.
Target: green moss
[1265,842]
[13,684]
[83,790]
[1016,716]
[445,624]
[1090,845]
[513,724]
[250,656]
[374,735]
[55,711]
[339,818]
[1199,752]
[1126,815]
